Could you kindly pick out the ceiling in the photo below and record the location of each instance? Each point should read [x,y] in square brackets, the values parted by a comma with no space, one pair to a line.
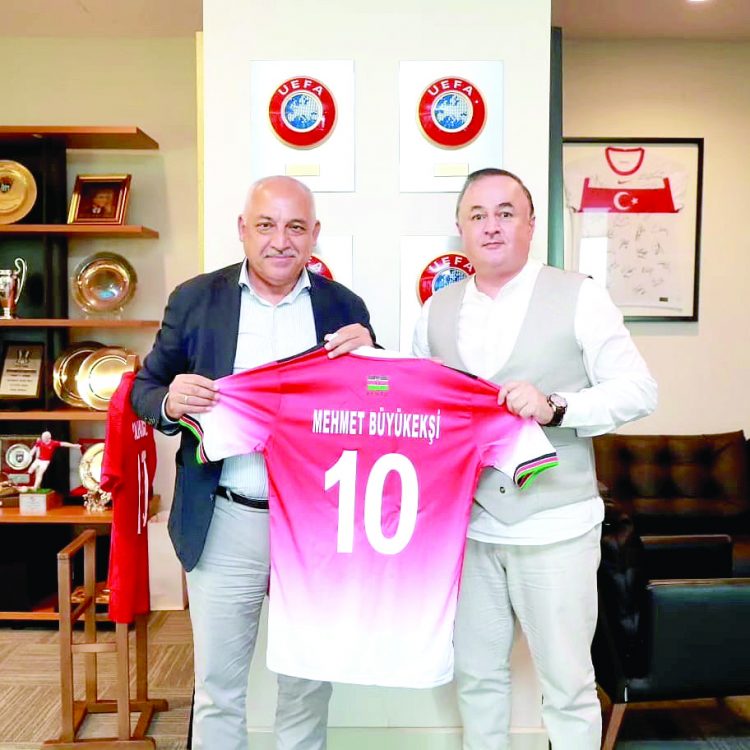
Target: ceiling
[580,19]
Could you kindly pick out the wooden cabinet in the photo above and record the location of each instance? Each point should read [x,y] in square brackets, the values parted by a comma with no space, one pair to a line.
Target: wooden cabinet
[57,522]
[41,238]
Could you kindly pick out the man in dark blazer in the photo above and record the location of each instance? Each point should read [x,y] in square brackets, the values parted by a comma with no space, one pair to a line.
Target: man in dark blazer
[260,310]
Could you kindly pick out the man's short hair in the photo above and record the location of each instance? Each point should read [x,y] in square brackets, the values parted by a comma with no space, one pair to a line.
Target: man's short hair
[495,172]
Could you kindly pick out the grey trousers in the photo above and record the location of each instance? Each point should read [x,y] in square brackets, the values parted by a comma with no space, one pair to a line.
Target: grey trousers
[226,591]
[551,589]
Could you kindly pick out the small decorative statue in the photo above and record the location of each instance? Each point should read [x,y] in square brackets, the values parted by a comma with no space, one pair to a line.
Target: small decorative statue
[41,454]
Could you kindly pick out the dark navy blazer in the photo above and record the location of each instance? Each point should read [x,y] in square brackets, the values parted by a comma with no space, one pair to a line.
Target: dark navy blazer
[199,335]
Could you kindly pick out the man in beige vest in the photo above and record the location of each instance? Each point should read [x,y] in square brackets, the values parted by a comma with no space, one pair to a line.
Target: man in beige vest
[557,345]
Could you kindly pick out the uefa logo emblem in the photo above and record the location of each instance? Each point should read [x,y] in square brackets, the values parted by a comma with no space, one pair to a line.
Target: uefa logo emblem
[451,112]
[441,272]
[316,265]
[302,112]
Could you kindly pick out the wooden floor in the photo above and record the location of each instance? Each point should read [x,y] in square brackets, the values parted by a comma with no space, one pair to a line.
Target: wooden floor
[29,684]
[30,709]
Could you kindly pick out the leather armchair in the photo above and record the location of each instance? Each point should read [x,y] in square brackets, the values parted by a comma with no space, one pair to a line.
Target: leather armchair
[667,639]
[681,484]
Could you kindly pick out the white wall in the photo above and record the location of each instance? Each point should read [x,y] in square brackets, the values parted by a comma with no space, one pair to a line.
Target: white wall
[149,83]
[377,37]
[684,89]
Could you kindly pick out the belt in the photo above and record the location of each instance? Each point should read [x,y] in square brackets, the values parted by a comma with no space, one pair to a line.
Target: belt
[248,502]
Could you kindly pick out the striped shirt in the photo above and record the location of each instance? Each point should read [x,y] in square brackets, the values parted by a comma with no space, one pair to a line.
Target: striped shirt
[267,333]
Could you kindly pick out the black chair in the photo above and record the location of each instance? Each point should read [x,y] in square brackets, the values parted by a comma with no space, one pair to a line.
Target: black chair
[672,621]
[681,484]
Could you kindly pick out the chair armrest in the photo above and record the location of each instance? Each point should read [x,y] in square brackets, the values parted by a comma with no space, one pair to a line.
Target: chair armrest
[688,556]
[698,645]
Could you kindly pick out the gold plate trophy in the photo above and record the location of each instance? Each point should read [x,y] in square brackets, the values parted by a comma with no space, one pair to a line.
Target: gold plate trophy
[17,191]
[90,471]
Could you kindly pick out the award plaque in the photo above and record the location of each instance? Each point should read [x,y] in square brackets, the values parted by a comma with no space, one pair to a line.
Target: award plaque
[15,457]
[38,502]
[22,371]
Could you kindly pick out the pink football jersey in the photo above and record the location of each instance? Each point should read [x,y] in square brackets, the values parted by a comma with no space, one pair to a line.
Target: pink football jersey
[372,463]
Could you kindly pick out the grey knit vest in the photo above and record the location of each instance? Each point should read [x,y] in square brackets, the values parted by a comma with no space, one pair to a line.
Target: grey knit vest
[547,355]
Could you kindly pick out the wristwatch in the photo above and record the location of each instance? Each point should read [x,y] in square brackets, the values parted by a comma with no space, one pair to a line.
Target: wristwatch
[559,406]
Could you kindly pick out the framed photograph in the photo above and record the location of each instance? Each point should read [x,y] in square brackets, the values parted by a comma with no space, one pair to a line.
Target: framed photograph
[22,370]
[633,221]
[99,199]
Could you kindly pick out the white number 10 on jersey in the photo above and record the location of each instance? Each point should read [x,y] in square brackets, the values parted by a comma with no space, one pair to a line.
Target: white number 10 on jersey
[344,473]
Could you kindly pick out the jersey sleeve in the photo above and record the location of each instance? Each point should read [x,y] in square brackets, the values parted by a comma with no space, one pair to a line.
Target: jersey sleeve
[112,460]
[241,421]
[516,446]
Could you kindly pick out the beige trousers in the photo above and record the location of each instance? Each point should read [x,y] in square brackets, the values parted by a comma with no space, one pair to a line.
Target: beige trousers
[551,589]
[226,590]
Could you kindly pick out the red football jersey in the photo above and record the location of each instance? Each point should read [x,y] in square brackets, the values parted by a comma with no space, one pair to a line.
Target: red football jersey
[128,472]
[45,451]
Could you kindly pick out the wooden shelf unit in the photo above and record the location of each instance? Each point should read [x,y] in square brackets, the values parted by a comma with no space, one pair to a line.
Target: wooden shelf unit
[83,137]
[43,150]
[62,514]
[44,615]
[55,415]
[76,323]
[65,514]
[91,231]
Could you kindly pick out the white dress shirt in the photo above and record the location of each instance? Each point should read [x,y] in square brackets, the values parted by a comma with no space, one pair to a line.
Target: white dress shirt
[622,387]
[267,332]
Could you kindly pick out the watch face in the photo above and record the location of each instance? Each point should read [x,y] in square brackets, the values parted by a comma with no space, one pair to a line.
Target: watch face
[557,401]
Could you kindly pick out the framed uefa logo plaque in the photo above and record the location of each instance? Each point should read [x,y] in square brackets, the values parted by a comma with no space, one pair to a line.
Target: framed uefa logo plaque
[333,258]
[427,264]
[302,121]
[451,122]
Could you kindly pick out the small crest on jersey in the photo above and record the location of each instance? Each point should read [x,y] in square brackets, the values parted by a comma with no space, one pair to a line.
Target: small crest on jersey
[316,265]
[302,112]
[441,272]
[377,383]
[451,112]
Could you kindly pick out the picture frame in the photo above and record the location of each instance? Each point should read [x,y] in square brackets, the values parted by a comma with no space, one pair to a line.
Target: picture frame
[21,370]
[99,199]
[633,221]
